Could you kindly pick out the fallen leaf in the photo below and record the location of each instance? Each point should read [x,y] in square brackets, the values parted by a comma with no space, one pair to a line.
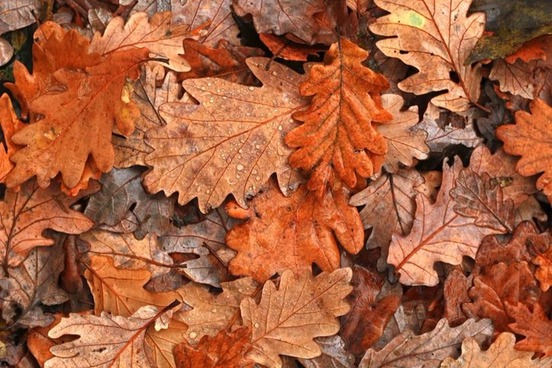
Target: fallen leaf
[225,350]
[15,15]
[294,232]
[389,207]
[436,37]
[455,292]
[104,341]
[63,140]
[159,35]
[24,216]
[516,78]
[287,319]
[405,144]
[236,132]
[333,355]
[535,326]
[428,350]
[544,270]
[283,16]
[501,354]
[530,138]
[10,125]
[337,133]
[286,49]
[434,236]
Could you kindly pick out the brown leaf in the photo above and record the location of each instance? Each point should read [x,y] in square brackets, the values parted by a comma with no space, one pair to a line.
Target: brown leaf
[225,350]
[389,208]
[429,349]
[530,138]
[119,291]
[544,270]
[294,232]
[435,236]
[286,49]
[15,15]
[63,140]
[283,16]
[435,37]
[337,134]
[236,133]
[404,143]
[535,326]
[26,214]
[333,355]
[517,78]
[501,354]
[31,284]
[162,38]
[132,150]
[213,313]
[287,319]
[226,61]
[104,341]
[365,322]
[455,292]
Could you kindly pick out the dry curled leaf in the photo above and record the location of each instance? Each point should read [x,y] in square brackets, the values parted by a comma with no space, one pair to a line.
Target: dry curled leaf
[10,125]
[24,216]
[159,35]
[230,143]
[427,350]
[436,37]
[501,354]
[289,317]
[534,325]
[530,138]
[337,134]
[104,341]
[294,232]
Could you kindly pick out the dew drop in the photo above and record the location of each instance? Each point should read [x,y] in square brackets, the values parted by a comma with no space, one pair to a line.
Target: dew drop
[251,88]
[258,178]
[280,127]
[257,146]
[240,150]
[256,325]
[193,335]
[214,310]
[228,160]
[239,167]
[274,73]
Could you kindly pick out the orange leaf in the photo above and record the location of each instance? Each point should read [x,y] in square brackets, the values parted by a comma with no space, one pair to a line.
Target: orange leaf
[530,138]
[10,125]
[337,134]
[435,37]
[89,100]
[294,232]
[535,326]
[24,215]
[231,143]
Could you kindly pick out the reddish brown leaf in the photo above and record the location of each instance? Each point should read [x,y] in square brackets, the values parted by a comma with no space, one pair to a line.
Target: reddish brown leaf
[337,134]
[535,326]
[455,292]
[294,232]
[225,350]
[283,48]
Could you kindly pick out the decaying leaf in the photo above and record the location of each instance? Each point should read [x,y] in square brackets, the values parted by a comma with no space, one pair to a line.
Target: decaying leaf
[501,354]
[15,14]
[337,134]
[435,234]
[534,325]
[231,143]
[334,354]
[436,37]
[162,38]
[89,87]
[530,138]
[289,317]
[24,216]
[225,350]
[104,341]
[429,349]
[294,232]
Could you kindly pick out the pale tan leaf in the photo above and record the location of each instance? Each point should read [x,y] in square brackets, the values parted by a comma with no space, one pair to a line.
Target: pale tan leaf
[231,143]
[104,341]
[516,78]
[334,354]
[162,38]
[289,317]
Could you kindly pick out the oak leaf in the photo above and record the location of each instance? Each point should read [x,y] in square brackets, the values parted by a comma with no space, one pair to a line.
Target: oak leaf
[337,134]
[435,236]
[389,207]
[89,90]
[436,37]
[162,38]
[15,15]
[283,16]
[403,142]
[10,125]
[517,78]
[236,132]
[225,350]
[429,349]
[289,317]
[24,216]
[501,354]
[530,138]
[281,47]
[333,354]
[104,341]
[294,232]
[544,271]
[534,325]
